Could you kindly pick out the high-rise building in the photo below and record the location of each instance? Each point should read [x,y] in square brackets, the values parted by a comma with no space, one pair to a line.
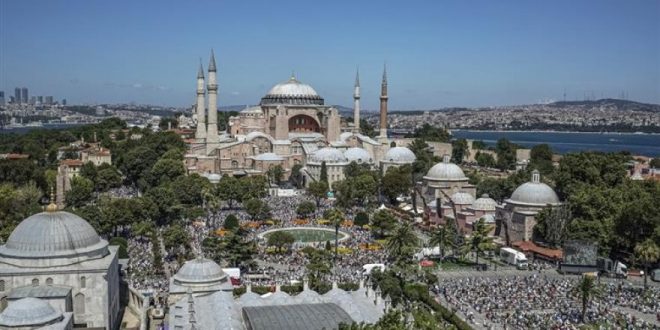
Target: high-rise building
[24,95]
[63,101]
[49,100]
[33,100]
[40,99]
[17,95]
[2,98]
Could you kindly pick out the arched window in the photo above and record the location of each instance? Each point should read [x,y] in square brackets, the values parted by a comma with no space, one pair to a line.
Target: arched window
[2,285]
[83,282]
[234,164]
[79,304]
[35,282]
[49,281]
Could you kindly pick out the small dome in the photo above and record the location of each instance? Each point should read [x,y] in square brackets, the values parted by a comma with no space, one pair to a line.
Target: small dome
[400,155]
[54,234]
[462,198]
[445,171]
[488,218]
[213,177]
[535,193]
[292,91]
[28,312]
[357,155]
[484,203]
[328,155]
[268,156]
[253,135]
[200,271]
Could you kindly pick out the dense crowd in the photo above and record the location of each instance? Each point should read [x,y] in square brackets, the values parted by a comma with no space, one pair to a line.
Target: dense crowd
[540,302]
[141,270]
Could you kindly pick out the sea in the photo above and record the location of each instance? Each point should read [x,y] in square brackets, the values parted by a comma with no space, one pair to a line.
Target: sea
[565,142]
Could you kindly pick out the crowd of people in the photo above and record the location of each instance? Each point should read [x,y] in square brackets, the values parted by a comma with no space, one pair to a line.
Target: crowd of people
[542,302]
[142,274]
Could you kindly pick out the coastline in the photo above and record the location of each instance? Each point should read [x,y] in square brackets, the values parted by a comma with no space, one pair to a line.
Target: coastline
[549,131]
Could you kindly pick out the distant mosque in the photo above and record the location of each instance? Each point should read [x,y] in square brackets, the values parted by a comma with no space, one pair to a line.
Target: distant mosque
[290,126]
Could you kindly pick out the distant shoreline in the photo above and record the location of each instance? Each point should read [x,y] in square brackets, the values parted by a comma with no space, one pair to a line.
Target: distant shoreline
[549,131]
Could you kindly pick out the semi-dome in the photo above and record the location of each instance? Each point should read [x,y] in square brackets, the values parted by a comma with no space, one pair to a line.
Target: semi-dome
[200,271]
[484,203]
[535,193]
[358,155]
[54,235]
[399,155]
[462,198]
[445,171]
[328,155]
[27,312]
[292,91]
[268,156]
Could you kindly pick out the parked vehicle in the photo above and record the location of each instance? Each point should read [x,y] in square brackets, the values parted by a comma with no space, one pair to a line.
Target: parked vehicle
[513,257]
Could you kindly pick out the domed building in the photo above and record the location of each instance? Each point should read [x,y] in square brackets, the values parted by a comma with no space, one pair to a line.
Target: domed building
[446,177]
[397,156]
[516,217]
[34,313]
[291,122]
[358,155]
[335,162]
[58,256]
[199,275]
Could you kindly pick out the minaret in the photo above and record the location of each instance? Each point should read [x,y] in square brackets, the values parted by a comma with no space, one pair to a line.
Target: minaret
[356,102]
[212,87]
[200,134]
[383,105]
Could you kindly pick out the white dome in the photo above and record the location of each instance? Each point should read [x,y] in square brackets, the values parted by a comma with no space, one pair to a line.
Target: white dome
[292,91]
[484,203]
[54,235]
[445,171]
[358,155]
[28,312]
[213,177]
[535,193]
[200,271]
[399,155]
[462,198]
[328,155]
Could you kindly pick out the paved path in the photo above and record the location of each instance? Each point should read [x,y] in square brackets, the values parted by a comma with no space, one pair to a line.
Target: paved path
[163,253]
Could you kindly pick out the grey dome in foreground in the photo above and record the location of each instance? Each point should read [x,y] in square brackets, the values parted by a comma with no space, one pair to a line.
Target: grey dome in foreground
[200,271]
[55,234]
[28,312]
[292,91]
[400,155]
[535,193]
[445,171]
[462,198]
[484,203]
[358,155]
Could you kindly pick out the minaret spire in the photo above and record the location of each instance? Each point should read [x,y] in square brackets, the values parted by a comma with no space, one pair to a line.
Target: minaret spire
[200,133]
[383,105]
[356,102]
[212,88]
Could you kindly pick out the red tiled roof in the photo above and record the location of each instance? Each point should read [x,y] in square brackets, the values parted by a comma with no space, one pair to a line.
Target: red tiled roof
[71,162]
[528,246]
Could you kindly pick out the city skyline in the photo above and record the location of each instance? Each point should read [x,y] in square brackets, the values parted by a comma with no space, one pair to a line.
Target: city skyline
[438,55]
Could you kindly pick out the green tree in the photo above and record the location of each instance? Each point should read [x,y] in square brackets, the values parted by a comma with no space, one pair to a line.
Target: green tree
[324,173]
[402,243]
[256,208]
[166,170]
[81,192]
[275,174]
[107,178]
[228,189]
[88,170]
[231,222]
[506,154]
[361,218]
[480,240]
[168,207]
[459,150]
[175,237]
[430,133]
[552,225]
[479,145]
[587,288]
[296,177]
[485,159]
[396,182]
[648,253]
[318,190]
[441,238]
[280,239]
[541,158]
[189,189]
[383,221]
[305,208]
[252,187]
[655,163]
[318,267]
[336,217]
[137,163]
[167,123]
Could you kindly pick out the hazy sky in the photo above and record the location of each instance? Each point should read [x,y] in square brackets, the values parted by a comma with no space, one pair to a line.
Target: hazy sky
[438,53]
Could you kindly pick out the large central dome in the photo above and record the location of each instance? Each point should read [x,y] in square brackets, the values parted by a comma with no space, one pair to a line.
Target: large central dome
[62,237]
[293,92]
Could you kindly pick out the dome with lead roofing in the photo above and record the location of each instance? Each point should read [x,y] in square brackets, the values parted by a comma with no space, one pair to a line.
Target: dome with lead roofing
[294,92]
[358,155]
[400,155]
[484,203]
[200,271]
[328,155]
[534,193]
[462,198]
[27,312]
[445,171]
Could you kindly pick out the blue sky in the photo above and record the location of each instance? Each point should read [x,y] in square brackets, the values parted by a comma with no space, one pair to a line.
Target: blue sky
[439,53]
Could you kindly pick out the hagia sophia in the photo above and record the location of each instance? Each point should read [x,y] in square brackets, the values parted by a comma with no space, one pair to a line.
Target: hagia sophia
[57,273]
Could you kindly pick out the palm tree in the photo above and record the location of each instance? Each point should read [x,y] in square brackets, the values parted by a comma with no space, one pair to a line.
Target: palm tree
[479,240]
[587,289]
[441,239]
[336,217]
[648,253]
[401,243]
